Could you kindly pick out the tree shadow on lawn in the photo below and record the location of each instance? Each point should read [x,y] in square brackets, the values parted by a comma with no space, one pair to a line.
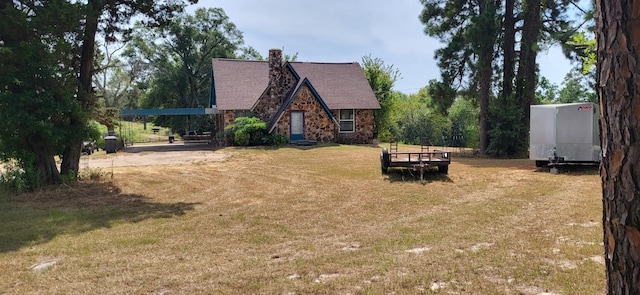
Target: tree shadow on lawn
[527,164]
[38,217]
[407,175]
[577,169]
[486,162]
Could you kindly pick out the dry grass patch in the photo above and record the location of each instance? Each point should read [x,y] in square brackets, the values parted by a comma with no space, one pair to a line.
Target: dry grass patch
[308,221]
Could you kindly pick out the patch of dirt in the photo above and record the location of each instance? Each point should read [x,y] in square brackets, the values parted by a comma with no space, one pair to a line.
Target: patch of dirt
[480,246]
[563,264]
[597,259]
[157,154]
[533,290]
[176,153]
[326,277]
[418,250]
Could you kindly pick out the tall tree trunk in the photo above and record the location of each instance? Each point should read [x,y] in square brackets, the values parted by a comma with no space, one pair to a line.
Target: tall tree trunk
[487,10]
[526,77]
[509,51]
[618,38]
[483,97]
[71,155]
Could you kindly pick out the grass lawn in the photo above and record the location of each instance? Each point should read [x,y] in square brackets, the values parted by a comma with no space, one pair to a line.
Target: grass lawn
[322,220]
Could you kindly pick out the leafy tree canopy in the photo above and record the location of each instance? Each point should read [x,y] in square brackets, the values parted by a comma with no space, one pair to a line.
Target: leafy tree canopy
[381,78]
[46,88]
[180,56]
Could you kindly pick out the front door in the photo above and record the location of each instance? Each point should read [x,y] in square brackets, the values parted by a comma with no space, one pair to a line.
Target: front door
[297,125]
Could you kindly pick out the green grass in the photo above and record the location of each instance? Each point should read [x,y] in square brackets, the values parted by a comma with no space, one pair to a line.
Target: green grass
[309,221]
[135,132]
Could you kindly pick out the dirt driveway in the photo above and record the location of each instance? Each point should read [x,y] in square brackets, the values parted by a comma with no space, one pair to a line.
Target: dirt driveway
[156,154]
[152,154]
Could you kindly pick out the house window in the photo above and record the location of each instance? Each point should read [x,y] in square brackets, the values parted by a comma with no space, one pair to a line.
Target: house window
[347,121]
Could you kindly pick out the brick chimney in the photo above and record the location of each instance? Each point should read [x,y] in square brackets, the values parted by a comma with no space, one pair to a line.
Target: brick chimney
[275,76]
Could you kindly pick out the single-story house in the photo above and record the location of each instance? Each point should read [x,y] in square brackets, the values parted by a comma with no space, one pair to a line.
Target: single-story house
[322,102]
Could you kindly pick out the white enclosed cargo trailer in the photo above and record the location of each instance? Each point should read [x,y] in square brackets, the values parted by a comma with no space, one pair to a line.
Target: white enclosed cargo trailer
[564,133]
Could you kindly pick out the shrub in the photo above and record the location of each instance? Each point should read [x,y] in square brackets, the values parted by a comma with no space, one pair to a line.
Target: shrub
[465,129]
[246,131]
[241,138]
[428,126]
[19,178]
[94,174]
[507,134]
[275,140]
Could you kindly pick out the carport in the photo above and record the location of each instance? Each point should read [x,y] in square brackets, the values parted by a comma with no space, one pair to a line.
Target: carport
[168,112]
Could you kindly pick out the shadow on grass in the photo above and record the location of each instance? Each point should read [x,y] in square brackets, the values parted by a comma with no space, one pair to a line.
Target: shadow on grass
[407,175]
[527,164]
[38,217]
[577,170]
[486,162]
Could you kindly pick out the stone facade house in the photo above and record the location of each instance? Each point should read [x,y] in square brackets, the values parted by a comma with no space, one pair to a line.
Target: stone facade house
[322,102]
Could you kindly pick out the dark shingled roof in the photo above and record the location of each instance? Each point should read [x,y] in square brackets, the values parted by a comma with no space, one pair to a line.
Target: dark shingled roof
[239,83]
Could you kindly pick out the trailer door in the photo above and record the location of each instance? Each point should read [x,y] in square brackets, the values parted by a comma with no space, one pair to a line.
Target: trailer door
[575,132]
[542,134]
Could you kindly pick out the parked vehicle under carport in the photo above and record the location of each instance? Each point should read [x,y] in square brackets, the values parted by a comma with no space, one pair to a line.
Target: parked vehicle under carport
[88,147]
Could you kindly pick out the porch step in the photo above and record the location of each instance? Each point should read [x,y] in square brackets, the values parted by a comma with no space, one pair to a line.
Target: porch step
[304,142]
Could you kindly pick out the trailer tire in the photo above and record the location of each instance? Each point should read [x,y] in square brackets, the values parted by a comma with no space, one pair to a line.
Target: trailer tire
[385,158]
[443,169]
[541,163]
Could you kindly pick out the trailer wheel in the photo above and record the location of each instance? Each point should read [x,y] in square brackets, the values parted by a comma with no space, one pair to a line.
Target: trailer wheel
[443,169]
[385,158]
[541,163]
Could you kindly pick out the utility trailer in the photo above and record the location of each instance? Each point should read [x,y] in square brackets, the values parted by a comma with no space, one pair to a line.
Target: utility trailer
[418,160]
[564,134]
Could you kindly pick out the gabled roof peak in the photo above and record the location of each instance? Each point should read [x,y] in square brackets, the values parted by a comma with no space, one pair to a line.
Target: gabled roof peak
[239,83]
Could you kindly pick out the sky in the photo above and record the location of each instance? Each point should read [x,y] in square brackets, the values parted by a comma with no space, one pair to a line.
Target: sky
[347,30]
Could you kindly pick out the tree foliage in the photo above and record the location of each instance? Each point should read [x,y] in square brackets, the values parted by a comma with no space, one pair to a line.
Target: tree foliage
[46,90]
[381,78]
[117,84]
[37,87]
[416,120]
[180,56]
[576,87]
[442,96]
[463,115]
[469,29]
[490,43]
